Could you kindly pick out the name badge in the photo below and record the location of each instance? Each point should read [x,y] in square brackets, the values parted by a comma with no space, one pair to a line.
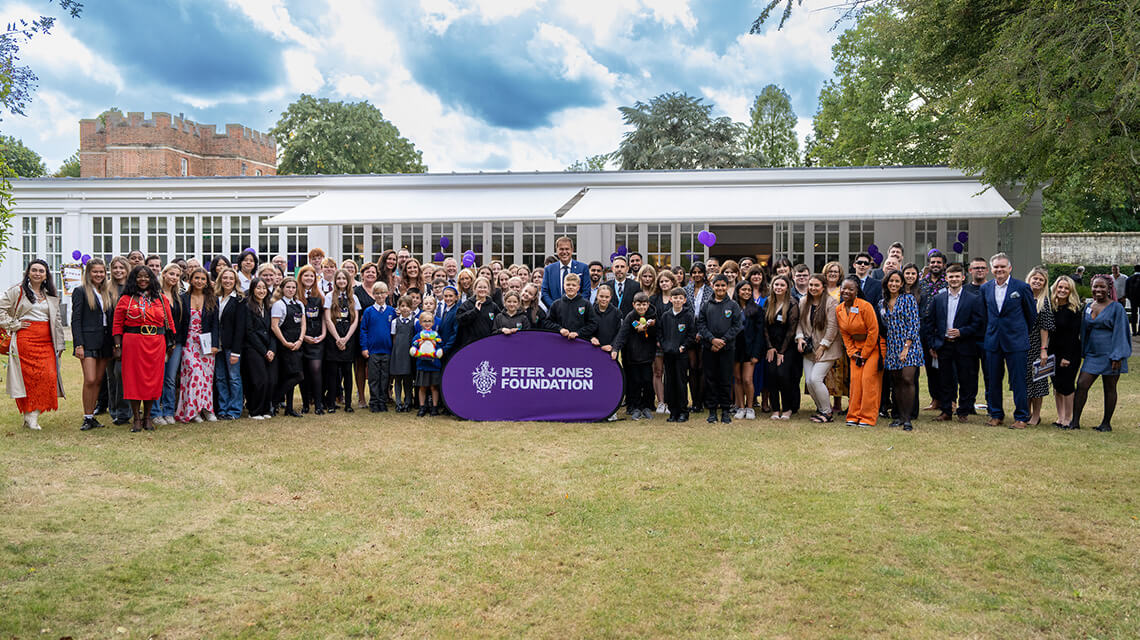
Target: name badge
[780,317]
[854,309]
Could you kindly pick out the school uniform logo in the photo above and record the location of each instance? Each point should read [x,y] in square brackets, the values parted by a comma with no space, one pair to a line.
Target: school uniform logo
[581,310]
[681,327]
[728,313]
[483,377]
[491,315]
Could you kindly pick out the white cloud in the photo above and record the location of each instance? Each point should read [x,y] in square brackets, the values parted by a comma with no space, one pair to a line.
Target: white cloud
[61,53]
[564,53]
[302,72]
[272,17]
[609,20]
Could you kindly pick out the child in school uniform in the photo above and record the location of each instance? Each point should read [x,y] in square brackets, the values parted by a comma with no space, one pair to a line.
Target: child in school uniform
[608,319]
[676,329]
[401,367]
[513,319]
[718,323]
[638,335]
[427,348]
[376,346]
[571,315]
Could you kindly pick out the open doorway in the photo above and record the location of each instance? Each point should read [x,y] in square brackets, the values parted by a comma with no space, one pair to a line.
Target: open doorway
[736,241]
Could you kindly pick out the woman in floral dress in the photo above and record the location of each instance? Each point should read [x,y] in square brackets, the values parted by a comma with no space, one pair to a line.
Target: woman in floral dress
[197,372]
[903,353]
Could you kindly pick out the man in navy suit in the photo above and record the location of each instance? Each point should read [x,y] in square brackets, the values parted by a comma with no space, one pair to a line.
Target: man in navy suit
[1011,311]
[871,287]
[624,286]
[958,318]
[555,272]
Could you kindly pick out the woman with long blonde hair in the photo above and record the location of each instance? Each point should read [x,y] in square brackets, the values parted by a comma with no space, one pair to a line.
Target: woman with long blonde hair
[313,348]
[1065,346]
[1038,281]
[91,319]
[342,317]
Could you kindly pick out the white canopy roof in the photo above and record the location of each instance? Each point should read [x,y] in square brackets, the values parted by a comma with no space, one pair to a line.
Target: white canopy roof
[440,204]
[784,202]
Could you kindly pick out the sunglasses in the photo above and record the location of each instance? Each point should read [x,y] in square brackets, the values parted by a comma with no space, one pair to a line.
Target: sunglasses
[862,263]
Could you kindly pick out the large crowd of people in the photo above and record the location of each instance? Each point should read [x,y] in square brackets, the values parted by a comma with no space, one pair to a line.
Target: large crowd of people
[187,342]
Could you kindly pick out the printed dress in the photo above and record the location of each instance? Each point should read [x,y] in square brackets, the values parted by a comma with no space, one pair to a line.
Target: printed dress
[902,325]
[196,375]
[1045,321]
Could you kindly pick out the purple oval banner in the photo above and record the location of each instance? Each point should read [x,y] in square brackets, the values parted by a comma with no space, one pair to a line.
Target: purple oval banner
[532,375]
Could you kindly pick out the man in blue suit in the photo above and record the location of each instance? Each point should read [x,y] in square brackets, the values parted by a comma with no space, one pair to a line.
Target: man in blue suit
[957,319]
[1011,311]
[871,286]
[555,273]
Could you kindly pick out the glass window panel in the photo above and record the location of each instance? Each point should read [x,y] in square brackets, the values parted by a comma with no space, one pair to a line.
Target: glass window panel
[471,237]
[103,237]
[296,247]
[130,234]
[534,244]
[213,237]
[690,248]
[157,236]
[53,240]
[503,242]
[241,235]
[383,236]
[659,249]
[352,243]
[953,228]
[796,254]
[185,237]
[412,239]
[436,232]
[926,238]
[627,235]
[30,226]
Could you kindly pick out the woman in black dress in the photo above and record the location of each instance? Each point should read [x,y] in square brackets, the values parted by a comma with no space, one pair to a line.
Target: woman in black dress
[342,317]
[258,368]
[287,320]
[749,346]
[91,319]
[313,351]
[1038,281]
[781,317]
[1065,346]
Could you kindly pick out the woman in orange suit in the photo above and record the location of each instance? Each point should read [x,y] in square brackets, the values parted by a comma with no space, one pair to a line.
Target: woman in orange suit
[859,327]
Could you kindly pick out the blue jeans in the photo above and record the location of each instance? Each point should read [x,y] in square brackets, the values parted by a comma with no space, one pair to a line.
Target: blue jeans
[167,403]
[997,361]
[227,379]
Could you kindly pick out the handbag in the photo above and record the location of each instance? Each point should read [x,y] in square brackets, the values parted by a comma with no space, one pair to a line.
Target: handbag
[5,335]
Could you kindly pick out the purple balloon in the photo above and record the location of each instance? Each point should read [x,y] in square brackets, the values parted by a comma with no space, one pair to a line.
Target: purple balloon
[711,239]
[468,260]
[438,257]
[958,247]
[703,237]
[444,242]
[77,254]
[85,259]
[963,236]
[872,249]
[614,255]
[622,250]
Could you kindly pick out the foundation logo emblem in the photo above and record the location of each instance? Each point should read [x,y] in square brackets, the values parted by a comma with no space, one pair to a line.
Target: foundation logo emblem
[483,377]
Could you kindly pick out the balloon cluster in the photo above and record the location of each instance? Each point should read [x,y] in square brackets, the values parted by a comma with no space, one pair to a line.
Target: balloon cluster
[468,259]
[876,255]
[83,258]
[707,238]
[960,245]
[438,257]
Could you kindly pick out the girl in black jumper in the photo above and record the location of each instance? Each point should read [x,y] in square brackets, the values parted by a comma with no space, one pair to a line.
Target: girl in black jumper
[476,316]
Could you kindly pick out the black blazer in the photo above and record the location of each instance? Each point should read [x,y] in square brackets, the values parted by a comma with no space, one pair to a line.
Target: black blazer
[231,325]
[969,320]
[873,291]
[259,339]
[629,290]
[209,321]
[88,329]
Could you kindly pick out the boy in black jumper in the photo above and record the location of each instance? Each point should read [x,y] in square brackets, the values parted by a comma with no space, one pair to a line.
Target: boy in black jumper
[571,315]
[675,330]
[638,335]
[718,323]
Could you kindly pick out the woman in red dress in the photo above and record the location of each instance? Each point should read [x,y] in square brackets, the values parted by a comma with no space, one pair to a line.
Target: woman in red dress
[144,335]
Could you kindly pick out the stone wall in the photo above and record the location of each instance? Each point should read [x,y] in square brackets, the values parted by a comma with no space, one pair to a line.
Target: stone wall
[1090,248]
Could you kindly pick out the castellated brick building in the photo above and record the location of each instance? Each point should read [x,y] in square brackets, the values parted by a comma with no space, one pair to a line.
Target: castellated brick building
[114,146]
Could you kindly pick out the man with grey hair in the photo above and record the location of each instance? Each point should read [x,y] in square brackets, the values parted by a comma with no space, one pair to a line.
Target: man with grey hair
[1011,312]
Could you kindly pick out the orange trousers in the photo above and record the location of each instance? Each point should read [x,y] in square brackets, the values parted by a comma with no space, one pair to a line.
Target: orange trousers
[866,387]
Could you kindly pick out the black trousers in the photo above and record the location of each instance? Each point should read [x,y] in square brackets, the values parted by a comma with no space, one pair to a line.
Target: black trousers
[718,377]
[676,382]
[639,386]
[259,378]
[782,385]
[402,389]
[958,379]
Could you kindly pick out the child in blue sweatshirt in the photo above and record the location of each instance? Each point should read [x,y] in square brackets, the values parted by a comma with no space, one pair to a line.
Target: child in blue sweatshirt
[376,346]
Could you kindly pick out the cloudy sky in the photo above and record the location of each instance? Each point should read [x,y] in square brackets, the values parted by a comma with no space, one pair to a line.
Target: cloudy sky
[486,85]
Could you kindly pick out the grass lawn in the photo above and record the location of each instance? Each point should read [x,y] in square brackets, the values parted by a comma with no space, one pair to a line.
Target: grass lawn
[359,526]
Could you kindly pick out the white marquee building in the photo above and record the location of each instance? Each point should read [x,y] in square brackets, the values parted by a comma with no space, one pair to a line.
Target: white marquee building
[811,215]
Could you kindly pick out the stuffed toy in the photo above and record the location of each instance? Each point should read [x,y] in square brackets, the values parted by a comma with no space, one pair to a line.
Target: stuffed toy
[641,324]
[426,346]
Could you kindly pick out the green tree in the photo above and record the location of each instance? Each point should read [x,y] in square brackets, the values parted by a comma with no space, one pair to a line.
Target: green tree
[17,84]
[772,134]
[875,112]
[591,163]
[69,168]
[20,160]
[319,136]
[677,131]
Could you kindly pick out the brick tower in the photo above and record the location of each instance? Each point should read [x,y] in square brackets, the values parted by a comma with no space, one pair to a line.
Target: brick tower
[112,146]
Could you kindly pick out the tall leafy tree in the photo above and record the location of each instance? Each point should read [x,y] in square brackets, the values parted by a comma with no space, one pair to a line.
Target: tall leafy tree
[677,131]
[20,160]
[319,136]
[17,84]
[772,134]
[69,168]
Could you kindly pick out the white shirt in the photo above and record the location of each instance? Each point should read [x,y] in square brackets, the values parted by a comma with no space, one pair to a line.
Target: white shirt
[243,282]
[1119,282]
[324,285]
[999,293]
[278,308]
[952,307]
[329,301]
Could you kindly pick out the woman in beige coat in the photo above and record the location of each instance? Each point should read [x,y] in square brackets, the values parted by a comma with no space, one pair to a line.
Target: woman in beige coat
[818,339]
[30,312]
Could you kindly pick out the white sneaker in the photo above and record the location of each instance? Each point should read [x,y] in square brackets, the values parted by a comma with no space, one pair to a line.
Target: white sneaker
[661,408]
[613,417]
[210,417]
[738,414]
[161,420]
[257,417]
[31,419]
[267,416]
[749,414]
[196,418]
